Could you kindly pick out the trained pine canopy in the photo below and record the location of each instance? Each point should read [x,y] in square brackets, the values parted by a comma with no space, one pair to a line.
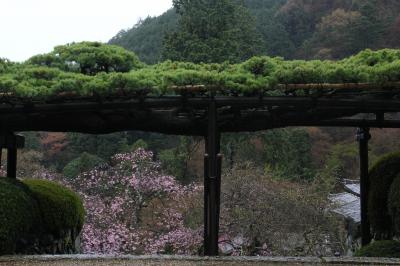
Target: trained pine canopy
[91,69]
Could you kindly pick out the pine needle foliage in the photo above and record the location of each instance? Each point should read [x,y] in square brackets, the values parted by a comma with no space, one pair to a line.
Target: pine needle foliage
[54,74]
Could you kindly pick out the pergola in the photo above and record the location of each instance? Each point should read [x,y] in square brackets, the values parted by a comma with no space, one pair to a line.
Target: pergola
[204,111]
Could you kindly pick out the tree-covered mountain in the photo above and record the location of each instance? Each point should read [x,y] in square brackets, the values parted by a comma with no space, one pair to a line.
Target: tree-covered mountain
[327,29]
[146,37]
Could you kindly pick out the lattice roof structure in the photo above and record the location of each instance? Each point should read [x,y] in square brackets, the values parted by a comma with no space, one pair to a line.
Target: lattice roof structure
[185,113]
[95,88]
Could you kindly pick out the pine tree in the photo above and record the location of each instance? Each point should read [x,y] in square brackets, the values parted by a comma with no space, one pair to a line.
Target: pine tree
[212,31]
[369,28]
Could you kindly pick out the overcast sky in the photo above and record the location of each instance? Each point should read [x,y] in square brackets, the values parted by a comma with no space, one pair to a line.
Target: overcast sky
[30,27]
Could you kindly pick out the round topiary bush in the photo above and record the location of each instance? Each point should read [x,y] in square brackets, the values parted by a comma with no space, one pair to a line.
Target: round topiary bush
[384,248]
[381,177]
[394,205]
[61,208]
[19,215]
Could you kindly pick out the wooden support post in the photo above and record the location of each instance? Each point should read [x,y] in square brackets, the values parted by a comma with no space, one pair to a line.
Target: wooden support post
[212,184]
[206,213]
[363,136]
[12,157]
[11,142]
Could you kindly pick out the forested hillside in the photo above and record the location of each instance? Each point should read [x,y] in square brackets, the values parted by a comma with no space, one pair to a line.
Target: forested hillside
[146,37]
[326,29]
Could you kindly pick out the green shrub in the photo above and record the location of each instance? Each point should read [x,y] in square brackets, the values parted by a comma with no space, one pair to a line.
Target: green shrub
[385,248]
[139,144]
[90,68]
[394,204]
[19,214]
[382,175]
[89,58]
[60,207]
[83,163]
[35,208]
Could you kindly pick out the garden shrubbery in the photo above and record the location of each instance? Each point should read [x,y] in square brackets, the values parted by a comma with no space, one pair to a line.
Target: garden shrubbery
[384,208]
[383,248]
[19,214]
[90,68]
[60,207]
[394,205]
[33,211]
[382,176]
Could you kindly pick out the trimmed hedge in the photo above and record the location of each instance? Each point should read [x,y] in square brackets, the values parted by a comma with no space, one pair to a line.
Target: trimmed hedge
[60,207]
[32,210]
[19,214]
[381,176]
[394,204]
[94,69]
[385,248]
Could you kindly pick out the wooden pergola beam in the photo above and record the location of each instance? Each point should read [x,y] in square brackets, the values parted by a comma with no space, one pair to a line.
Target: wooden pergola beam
[203,102]
[171,123]
[375,103]
[163,115]
[341,86]
[9,140]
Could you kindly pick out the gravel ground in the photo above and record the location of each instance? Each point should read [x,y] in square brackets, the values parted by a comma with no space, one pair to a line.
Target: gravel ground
[84,260]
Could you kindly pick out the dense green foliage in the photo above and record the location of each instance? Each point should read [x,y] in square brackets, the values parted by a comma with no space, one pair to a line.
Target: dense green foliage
[88,58]
[147,36]
[103,146]
[212,32]
[283,154]
[174,160]
[33,209]
[381,176]
[139,144]
[275,36]
[83,163]
[327,29]
[61,209]
[385,249]
[33,80]
[394,205]
[341,161]
[19,214]
[287,154]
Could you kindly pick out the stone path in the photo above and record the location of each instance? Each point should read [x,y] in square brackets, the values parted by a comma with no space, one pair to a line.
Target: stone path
[85,260]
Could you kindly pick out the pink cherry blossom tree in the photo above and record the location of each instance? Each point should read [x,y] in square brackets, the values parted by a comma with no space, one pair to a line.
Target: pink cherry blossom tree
[133,208]
[118,199]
